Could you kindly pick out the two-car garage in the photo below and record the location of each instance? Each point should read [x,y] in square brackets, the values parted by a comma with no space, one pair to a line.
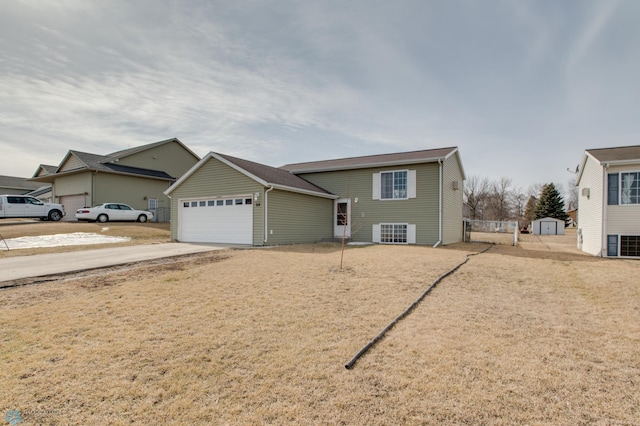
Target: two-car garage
[227,220]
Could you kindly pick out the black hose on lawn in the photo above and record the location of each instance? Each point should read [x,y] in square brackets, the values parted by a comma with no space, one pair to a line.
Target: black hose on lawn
[380,335]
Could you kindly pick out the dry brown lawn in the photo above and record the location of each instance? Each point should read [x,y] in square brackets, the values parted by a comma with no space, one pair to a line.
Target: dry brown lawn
[147,233]
[262,336]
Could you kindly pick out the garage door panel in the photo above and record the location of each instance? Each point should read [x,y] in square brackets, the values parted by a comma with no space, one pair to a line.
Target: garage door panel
[204,221]
[72,203]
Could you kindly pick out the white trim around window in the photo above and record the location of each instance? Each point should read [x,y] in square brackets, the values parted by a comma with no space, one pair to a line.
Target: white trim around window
[394,233]
[394,185]
[623,246]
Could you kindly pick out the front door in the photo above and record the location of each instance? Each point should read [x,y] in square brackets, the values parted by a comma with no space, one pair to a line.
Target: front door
[342,218]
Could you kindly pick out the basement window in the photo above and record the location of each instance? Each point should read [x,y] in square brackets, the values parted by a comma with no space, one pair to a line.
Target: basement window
[393,233]
[630,245]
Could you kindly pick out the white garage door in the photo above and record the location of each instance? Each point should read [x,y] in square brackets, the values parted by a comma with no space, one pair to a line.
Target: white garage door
[72,203]
[216,220]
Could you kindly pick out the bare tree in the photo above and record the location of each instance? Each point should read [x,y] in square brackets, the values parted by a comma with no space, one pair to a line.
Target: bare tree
[572,195]
[518,203]
[499,199]
[476,192]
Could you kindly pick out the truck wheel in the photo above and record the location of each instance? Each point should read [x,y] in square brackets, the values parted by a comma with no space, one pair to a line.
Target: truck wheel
[103,218]
[55,215]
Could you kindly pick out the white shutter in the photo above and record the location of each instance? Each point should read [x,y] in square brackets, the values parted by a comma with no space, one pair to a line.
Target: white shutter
[376,186]
[376,233]
[411,184]
[411,233]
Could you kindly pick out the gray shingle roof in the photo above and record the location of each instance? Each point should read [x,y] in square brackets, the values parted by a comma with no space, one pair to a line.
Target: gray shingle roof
[14,182]
[411,157]
[622,153]
[273,175]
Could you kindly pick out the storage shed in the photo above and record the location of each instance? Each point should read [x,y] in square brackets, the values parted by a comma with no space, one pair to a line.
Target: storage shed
[548,226]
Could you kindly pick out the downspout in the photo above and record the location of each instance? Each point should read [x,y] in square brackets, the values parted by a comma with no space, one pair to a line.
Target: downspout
[605,202]
[439,203]
[266,220]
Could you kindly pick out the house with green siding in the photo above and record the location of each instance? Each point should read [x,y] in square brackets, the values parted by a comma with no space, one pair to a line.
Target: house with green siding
[136,176]
[402,198]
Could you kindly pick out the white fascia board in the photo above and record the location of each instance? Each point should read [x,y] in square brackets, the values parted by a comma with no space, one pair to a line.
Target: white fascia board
[303,191]
[262,182]
[189,172]
[240,169]
[453,152]
[369,165]
[583,164]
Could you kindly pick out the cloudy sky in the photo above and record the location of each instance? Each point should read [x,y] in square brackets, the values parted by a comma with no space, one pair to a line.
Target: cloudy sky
[521,87]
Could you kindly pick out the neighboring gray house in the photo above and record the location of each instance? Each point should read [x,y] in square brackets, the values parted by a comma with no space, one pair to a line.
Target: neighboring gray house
[402,198]
[17,185]
[136,176]
[609,202]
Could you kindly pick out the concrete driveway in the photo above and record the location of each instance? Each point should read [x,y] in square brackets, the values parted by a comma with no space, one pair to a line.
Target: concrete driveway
[18,267]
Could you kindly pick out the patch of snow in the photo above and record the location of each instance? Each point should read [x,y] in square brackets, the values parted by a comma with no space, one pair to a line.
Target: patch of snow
[57,240]
[356,243]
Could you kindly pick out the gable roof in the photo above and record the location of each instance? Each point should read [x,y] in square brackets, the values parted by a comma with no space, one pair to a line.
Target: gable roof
[614,155]
[261,173]
[108,163]
[44,169]
[18,183]
[399,158]
[611,156]
[130,151]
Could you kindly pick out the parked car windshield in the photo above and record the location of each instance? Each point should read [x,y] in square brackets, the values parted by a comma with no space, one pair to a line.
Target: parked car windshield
[31,200]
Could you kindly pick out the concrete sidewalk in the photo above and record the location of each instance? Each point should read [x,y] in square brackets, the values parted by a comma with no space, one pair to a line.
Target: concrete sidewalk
[18,267]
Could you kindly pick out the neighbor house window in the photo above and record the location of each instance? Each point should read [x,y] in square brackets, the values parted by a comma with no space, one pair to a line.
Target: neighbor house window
[219,202]
[228,202]
[612,189]
[612,245]
[630,188]
[211,203]
[393,185]
[630,245]
[393,233]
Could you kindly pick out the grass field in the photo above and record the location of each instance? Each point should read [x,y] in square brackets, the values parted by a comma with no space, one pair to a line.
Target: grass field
[262,336]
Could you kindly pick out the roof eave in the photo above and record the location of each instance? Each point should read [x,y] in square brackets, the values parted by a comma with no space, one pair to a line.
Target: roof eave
[303,191]
[369,165]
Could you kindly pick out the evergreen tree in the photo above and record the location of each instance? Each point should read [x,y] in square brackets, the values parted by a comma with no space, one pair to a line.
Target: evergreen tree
[550,204]
[530,209]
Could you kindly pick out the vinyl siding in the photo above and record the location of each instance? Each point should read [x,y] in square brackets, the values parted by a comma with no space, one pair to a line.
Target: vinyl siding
[113,188]
[297,218]
[72,163]
[365,212]
[590,209]
[170,157]
[452,201]
[623,219]
[72,185]
[216,179]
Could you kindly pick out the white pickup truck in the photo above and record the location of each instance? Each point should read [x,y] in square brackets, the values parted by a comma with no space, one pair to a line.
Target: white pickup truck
[25,206]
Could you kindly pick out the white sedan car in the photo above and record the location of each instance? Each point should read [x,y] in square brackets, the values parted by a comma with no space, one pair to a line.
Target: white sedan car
[113,212]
